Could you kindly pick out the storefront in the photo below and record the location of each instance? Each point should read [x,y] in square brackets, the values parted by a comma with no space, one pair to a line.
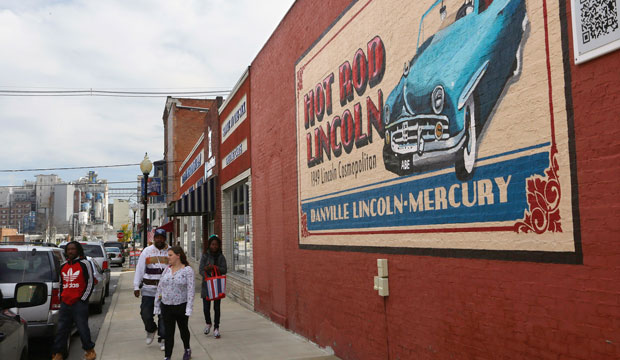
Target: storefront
[195,204]
[236,179]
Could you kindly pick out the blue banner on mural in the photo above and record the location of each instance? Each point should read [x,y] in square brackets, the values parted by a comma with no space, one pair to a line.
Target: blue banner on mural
[495,193]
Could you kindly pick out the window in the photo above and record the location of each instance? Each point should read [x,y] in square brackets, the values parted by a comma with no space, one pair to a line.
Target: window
[192,236]
[240,230]
[25,266]
[198,245]
[93,250]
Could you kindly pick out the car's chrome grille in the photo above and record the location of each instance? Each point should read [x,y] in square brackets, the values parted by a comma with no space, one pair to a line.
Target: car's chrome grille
[406,132]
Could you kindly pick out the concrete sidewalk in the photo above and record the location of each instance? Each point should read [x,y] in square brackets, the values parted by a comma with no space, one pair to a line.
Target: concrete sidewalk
[245,334]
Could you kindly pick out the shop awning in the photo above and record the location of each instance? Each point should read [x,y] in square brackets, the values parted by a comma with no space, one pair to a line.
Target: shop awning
[200,201]
[169,226]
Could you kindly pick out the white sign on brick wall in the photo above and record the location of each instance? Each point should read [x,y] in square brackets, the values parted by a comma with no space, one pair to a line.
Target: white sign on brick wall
[596,29]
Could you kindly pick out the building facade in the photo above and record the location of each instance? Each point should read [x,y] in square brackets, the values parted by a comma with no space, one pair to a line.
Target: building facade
[120,214]
[236,191]
[190,155]
[465,155]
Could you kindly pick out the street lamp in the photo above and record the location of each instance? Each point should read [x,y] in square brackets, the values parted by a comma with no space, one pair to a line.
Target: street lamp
[145,166]
[134,207]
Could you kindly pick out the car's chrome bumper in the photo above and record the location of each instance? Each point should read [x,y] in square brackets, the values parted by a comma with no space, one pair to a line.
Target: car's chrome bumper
[415,136]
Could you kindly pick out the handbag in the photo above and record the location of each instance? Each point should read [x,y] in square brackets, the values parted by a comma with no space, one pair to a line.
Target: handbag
[216,285]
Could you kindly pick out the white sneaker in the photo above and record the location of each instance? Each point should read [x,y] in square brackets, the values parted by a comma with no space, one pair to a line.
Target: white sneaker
[162,345]
[216,333]
[150,337]
[207,329]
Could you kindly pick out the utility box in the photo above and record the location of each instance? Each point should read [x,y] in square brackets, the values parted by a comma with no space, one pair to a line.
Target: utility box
[382,267]
[381,280]
[382,286]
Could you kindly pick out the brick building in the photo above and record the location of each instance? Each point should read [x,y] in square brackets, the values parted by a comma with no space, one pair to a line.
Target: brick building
[235,177]
[508,250]
[191,181]
[184,121]
[14,215]
[8,235]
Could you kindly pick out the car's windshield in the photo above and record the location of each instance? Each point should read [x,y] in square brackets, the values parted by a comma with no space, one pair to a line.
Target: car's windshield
[93,250]
[25,266]
[443,14]
[113,249]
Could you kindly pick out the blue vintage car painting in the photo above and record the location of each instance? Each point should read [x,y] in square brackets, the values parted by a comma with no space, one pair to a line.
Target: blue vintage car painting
[434,115]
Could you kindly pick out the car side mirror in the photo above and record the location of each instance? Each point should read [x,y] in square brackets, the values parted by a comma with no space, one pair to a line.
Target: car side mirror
[30,294]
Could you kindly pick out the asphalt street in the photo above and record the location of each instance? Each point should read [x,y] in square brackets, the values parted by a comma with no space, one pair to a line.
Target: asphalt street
[41,350]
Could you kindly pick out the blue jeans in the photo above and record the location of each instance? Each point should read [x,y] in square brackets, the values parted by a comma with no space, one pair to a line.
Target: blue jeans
[69,314]
[146,312]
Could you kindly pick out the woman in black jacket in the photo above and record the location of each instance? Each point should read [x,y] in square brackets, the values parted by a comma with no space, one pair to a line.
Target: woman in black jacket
[211,259]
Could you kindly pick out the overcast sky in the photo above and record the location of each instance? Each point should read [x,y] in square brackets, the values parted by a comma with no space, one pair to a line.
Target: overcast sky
[144,45]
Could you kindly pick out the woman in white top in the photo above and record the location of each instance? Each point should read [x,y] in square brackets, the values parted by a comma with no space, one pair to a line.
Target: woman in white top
[175,299]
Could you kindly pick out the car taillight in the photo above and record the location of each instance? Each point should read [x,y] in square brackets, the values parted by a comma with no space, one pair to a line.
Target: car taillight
[105,265]
[55,302]
[7,249]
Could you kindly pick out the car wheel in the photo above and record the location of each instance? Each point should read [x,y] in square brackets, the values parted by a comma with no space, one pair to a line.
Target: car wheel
[466,157]
[98,308]
[516,65]
[65,351]
[24,355]
[107,289]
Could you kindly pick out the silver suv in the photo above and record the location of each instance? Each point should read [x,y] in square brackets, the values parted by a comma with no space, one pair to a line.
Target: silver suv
[33,263]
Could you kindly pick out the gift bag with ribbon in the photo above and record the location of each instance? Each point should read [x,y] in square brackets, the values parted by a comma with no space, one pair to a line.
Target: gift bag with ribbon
[216,285]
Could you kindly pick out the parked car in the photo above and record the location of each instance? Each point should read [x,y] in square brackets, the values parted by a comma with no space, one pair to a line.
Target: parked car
[117,244]
[96,251]
[97,298]
[450,87]
[14,327]
[115,256]
[28,263]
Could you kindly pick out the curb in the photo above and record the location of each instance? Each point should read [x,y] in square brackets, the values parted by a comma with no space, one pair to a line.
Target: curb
[105,328]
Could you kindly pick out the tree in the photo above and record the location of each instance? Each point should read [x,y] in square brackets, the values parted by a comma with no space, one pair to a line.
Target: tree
[127,233]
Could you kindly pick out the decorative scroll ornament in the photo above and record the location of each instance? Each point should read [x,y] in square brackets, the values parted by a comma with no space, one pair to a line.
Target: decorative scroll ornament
[300,81]
[543,198]
[304,225]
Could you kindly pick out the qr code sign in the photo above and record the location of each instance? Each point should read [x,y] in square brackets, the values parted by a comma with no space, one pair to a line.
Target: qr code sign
[598,18]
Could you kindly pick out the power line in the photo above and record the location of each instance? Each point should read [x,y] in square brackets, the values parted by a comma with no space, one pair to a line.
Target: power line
[33,185]
[112,93]
[67,168]
[76,167]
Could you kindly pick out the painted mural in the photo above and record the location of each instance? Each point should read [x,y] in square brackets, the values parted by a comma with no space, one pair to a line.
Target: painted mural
[438,127]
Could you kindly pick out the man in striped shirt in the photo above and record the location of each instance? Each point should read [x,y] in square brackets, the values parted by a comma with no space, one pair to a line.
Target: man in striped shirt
[151,264]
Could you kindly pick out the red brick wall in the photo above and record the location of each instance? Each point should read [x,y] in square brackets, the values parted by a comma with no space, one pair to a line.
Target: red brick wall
[213,120]
[438,307]
[188,127]
[243,162]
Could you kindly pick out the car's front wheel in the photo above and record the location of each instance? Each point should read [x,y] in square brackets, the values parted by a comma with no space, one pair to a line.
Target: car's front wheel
[466,157]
